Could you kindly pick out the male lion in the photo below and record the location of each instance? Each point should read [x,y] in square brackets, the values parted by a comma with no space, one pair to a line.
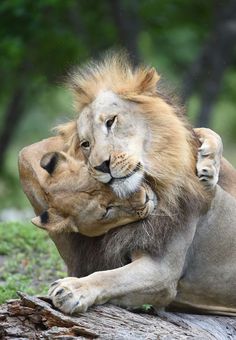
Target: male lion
[66,174]
[129,132]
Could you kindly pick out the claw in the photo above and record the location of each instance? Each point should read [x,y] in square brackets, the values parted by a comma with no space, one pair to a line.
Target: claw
[51,290]
[60,291]
[75,306]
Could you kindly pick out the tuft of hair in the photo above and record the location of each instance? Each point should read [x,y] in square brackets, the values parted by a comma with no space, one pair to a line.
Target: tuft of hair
[115,72]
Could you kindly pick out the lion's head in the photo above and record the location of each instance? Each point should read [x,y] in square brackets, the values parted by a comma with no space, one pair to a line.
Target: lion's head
[128,131]
[79,203]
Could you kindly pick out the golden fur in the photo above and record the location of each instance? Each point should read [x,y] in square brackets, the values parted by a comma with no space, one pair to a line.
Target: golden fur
[114,72]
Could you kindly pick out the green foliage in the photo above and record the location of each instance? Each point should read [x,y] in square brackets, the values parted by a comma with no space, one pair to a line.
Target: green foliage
[29,259]
[40,40]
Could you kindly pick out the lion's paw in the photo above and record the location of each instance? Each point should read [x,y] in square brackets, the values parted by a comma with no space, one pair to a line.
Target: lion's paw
[209,157]
[72,295]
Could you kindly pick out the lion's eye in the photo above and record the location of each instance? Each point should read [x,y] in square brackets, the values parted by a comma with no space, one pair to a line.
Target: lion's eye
[110,122]
[85,144]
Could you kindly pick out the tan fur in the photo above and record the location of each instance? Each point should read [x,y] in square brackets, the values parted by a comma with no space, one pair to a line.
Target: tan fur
[79,203]
[180,250]
[146,137]
[74,248]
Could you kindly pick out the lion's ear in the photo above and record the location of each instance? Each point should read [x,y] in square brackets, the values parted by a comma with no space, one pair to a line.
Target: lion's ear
[50,221]
[147,81]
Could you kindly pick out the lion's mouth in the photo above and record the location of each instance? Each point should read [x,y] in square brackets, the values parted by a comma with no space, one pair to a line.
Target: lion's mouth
[136,169]
[125,187]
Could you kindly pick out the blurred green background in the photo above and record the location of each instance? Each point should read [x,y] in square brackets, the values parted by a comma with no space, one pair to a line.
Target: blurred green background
[192,44]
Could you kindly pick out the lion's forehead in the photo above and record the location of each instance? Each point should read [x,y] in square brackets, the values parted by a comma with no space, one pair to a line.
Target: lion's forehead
[106,99]
[106,104]
[84,122]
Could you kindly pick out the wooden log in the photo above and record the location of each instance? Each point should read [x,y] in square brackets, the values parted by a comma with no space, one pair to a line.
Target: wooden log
[35,318]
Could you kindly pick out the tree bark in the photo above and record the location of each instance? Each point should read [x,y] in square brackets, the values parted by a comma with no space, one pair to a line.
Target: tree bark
[35,318]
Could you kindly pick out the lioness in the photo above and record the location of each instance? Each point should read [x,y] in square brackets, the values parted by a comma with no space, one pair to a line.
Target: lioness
[128,132]
[79,203]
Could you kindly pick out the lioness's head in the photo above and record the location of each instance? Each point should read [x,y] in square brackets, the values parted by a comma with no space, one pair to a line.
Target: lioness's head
[79,203]
[128,130]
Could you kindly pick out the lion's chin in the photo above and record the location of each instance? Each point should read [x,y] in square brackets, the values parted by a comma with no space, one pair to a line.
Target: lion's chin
[125,187]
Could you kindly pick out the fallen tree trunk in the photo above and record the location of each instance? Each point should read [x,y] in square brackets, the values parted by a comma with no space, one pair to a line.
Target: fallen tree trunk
[35,318]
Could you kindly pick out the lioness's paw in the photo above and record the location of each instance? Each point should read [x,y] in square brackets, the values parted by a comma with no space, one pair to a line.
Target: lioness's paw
[72,295]
[209,157]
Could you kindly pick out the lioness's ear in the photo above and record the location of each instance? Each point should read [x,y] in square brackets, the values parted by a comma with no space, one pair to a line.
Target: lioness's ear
[50,221]
[50,161]
[147,81]
[41,221]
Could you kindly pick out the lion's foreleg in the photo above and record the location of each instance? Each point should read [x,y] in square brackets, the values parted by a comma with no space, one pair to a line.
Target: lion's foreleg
[146,280]
[143,281]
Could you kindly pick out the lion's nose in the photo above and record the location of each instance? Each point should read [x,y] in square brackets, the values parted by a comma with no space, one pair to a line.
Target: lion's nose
[104,167]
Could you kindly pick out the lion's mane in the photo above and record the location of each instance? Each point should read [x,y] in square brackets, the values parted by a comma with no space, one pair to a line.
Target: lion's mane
[171,159]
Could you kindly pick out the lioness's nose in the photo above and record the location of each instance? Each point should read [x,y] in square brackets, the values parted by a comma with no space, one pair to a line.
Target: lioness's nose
[104,167]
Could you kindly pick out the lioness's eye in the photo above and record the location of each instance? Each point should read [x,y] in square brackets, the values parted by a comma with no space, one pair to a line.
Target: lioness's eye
[110,122]
[108,210]
[85,144]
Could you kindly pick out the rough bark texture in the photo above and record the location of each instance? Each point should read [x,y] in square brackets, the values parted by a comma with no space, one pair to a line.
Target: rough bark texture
[35,318]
